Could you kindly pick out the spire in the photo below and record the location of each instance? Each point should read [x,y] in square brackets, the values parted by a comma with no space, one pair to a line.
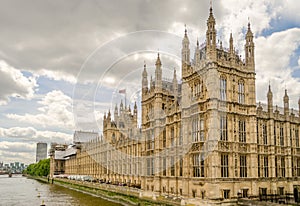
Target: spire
[185,51]
[135,108]
[211,18]
[197,54]
[158,62]
[109,115]
[145,79]
[175,86]
[259,108]
[174,75]
[145,70]
[249,49]
[270,94]
[116,113]
[231,44]
[270,100]
[211,35]
[121,106]
[249,32]
[135,111]
[151,82]
[286,97]
[175,83]
[286,103]
[116,109]
[158,73]
[210,9]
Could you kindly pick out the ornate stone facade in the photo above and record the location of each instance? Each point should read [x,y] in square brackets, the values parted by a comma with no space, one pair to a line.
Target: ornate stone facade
[205,137]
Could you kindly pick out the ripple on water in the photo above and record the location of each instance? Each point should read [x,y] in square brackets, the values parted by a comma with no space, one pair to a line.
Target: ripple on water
[19,190]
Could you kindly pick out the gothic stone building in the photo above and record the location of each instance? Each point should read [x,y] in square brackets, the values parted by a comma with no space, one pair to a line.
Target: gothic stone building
[205,137]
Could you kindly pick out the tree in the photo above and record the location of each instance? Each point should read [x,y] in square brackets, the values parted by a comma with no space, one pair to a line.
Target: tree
[42,168]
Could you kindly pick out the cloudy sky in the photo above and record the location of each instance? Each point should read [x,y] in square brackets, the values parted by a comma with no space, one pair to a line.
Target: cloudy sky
[54,54]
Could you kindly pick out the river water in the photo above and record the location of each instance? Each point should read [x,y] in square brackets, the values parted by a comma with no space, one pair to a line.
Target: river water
[20,191]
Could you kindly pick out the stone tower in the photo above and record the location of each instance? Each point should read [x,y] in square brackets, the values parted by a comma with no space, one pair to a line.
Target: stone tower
[249,50]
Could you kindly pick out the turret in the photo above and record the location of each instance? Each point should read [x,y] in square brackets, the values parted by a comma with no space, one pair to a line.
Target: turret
[259,108]
[197,54]
[175,84]
[145,80]
[135,109]
[116,113]
[121,107]
[231,50]
[270,100]
[185,51]
[211,36]
[135,114]
[158,73]
[286,103]
[151,83]
[249,49]
[108,116]
[104,121]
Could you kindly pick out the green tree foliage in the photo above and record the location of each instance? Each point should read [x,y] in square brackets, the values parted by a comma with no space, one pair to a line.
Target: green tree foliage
[42,168]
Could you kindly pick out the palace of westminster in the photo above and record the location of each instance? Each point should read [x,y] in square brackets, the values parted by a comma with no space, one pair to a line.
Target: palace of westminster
[205,137]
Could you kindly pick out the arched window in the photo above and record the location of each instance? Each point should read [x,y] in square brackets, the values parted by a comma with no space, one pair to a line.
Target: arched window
[241,92]
[198,165]
[198,129]
[242,130]
[223,88]
[223,128]
[197,89]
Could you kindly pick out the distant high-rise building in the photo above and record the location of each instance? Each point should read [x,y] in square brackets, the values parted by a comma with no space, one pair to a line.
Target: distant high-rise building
[41,151]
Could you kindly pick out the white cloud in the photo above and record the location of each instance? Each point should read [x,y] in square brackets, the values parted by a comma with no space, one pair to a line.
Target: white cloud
[289,9]
[56,110]
[11,156]
[51,136]
[18,132]
[20,142]
[237,14]
[273,56]
[236,18]
[56,75]
[30,134]
[16,147]
[14,84]
[17,152]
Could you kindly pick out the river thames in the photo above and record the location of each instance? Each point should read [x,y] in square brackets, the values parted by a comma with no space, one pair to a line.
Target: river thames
[19,191]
